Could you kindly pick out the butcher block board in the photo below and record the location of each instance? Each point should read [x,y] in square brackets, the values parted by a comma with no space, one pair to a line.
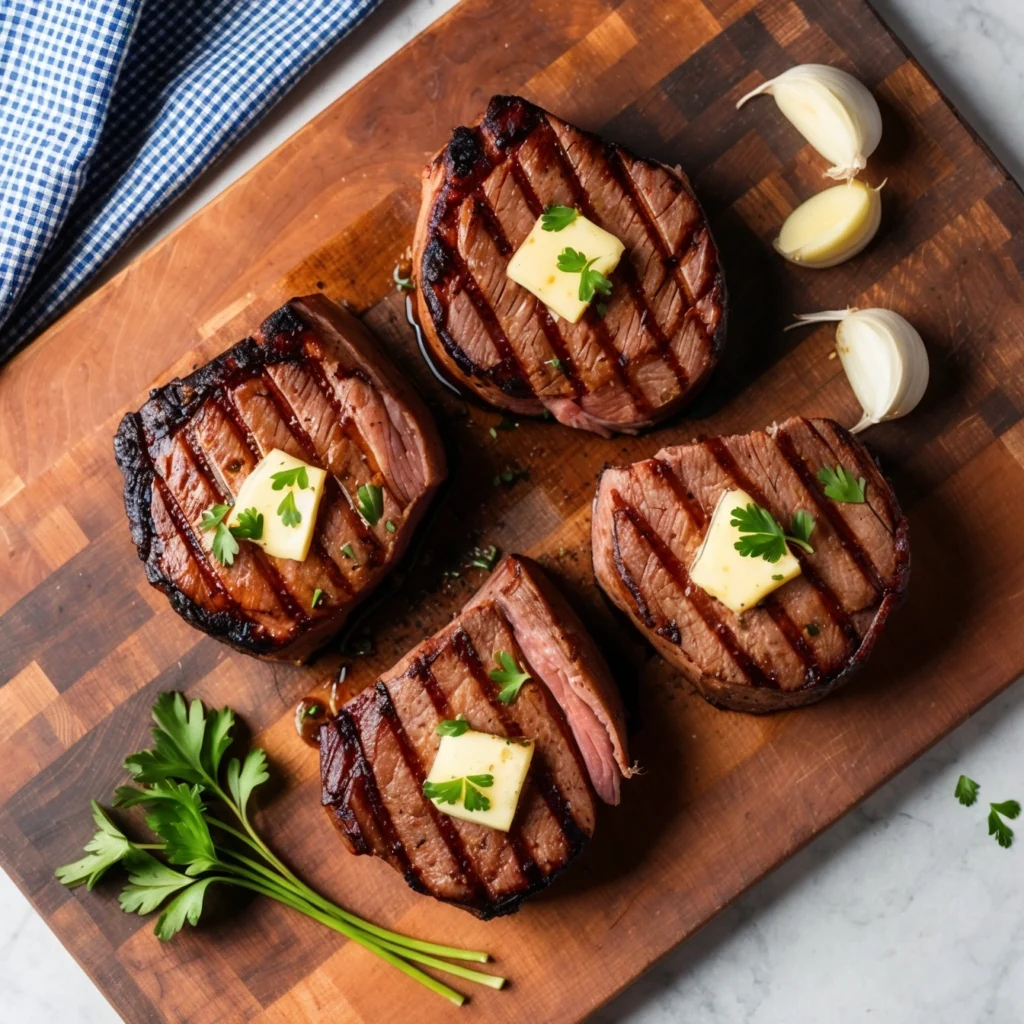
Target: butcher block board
[85,644]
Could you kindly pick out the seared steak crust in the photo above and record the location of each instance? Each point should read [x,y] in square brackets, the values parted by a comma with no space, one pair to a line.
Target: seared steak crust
[375,754]
[798,644]
[313,383]
[619,369]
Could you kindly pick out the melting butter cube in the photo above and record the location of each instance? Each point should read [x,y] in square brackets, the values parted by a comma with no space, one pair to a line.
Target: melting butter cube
[477,758]
[257,491]
[738,581]
[534,264]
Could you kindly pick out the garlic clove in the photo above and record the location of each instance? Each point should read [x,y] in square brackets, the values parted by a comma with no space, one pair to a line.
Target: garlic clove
[832,110]
[883,357]
[832,226]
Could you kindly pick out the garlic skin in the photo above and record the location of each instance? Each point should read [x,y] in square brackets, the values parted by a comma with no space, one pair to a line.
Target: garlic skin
[884,358]
[832,226]
[832,110]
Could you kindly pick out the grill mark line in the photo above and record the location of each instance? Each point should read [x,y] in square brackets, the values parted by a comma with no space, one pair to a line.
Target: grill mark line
[696,597]
[337,494]
[508,373]
[867,469]
[267,570]
[626,269]
[467,653]
[379,811]
[199,556]
[835,608]
[847,538]
[556,342]
[442,822]
[596,324]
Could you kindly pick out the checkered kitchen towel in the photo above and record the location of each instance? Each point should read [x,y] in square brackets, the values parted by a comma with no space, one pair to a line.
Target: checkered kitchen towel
[109,109]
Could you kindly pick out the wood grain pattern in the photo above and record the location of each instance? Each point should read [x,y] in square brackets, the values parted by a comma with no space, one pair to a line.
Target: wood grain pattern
[85,644]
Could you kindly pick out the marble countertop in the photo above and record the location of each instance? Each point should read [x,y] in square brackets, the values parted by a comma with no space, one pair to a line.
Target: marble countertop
[905,912]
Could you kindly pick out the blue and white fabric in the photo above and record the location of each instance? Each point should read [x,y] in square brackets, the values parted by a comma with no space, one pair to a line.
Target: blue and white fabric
[109,109]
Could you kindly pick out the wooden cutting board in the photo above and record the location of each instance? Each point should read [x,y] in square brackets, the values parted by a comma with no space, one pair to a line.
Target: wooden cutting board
[85,645]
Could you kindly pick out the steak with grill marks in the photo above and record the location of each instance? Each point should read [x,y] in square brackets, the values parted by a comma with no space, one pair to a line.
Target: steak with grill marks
[806,637]
[618,369]
[313,383]
[376,752]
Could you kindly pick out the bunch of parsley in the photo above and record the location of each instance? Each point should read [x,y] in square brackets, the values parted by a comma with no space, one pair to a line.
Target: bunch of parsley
[178,783]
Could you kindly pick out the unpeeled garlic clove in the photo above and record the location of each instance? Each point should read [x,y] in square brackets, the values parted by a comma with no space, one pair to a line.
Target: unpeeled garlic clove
[832,110]
[832,226]
[884,358]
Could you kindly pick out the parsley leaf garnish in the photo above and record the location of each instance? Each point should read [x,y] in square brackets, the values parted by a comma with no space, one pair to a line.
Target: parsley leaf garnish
[296,476]
[444,792]
[997,827]
[177,783]
[346,550]
[106,848]
[556,218]
[800,530]
[370,503]
[390,526]
[249,524]
[483,558]
[287,510]
[452,726]
[572,261]
[317,594]
[224,546]
[841,485]
[213,517]
[762,535]
[475,800]
[966,790]
[510,675]
[450,792]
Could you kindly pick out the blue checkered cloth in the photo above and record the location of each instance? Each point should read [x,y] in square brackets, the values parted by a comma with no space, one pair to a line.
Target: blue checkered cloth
[109,109]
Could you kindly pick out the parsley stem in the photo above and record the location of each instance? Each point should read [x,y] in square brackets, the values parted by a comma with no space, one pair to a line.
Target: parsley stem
[311,896]
[356,935]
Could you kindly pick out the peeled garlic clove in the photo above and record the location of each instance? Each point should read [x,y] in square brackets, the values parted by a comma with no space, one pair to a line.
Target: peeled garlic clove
[884,358]
[832,110]
[831,226]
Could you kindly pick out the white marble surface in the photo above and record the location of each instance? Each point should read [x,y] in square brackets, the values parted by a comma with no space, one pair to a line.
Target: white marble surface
[906,912]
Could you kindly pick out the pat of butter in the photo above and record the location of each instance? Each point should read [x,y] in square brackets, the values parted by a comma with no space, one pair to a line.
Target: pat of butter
[738,581]
[534,265]
[257,491]
[505,759]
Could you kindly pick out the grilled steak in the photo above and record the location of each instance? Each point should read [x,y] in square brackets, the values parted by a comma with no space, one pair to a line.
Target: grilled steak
[313,383]
[663,328]
[375,754]
[802,640]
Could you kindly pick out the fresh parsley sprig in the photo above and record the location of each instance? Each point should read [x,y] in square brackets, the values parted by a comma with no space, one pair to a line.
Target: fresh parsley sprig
[510,675]
[841,485]
[763,537]
[177,782]
[572,261]
[557,218]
